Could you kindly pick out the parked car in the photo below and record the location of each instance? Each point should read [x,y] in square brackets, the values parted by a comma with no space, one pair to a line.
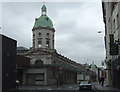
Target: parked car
[85,85]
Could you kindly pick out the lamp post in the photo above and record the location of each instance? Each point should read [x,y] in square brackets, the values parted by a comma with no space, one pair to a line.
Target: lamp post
[100,31]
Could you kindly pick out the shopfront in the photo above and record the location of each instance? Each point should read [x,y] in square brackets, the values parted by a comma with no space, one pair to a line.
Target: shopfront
[36,77]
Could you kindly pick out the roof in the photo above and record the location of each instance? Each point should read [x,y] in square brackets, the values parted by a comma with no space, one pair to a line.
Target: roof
[93,66]
[22,48]
[43,21]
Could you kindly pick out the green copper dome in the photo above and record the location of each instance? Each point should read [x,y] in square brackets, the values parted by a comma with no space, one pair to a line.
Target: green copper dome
[43,21]
[93,66]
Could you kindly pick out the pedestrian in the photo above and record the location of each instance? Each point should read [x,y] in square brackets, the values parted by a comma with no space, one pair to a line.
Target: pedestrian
[99,79]
[102,80]
[17,83]
[57,83]
[60,83]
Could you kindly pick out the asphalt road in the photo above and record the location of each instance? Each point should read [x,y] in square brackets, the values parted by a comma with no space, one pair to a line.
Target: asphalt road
[55,91]
[63,88]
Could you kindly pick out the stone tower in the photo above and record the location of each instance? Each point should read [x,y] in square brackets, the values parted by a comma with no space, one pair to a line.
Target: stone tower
[43,31]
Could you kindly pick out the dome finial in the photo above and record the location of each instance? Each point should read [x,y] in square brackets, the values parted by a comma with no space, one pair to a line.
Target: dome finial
[44,9]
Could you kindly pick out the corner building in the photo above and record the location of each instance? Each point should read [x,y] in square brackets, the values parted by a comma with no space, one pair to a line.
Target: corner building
[47,67]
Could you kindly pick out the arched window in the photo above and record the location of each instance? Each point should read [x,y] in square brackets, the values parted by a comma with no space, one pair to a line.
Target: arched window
[39,62]
[47,43]
[39,43]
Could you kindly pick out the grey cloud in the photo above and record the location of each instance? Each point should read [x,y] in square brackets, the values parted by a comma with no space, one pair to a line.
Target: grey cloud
[76,27]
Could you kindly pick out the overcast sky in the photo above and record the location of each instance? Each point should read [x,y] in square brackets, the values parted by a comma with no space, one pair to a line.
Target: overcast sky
[76,26]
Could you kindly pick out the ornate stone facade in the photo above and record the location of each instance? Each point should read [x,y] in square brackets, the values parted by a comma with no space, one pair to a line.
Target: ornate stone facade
[47,67]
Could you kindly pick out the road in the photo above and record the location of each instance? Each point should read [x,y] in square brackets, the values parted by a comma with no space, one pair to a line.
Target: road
[70,88]
[55,91]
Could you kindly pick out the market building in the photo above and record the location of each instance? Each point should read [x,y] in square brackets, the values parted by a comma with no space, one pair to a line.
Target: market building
[47,66]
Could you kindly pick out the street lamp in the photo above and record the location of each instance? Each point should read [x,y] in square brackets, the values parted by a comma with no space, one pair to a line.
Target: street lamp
[99,31]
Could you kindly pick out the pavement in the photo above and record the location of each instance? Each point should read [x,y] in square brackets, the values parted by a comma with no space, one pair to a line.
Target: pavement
[98,88]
